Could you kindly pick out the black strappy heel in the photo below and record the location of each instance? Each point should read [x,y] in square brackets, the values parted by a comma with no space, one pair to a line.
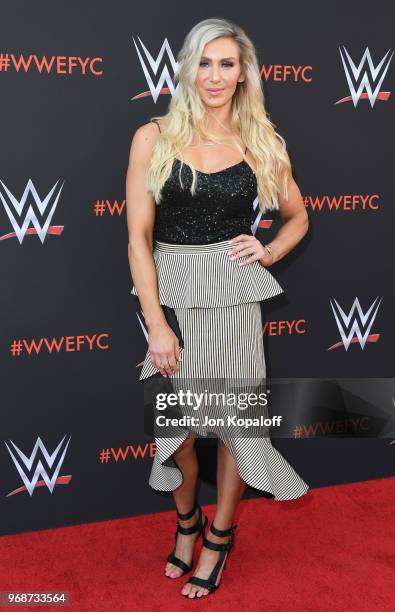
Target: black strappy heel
[199,526]
[210,582]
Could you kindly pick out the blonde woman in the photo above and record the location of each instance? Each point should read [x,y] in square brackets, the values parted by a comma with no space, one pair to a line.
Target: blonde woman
[192,180]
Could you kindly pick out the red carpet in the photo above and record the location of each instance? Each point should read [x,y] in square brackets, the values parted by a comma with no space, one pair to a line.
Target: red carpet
[332,550]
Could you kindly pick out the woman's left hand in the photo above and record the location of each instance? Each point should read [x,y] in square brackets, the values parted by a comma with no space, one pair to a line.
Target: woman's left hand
[249,245]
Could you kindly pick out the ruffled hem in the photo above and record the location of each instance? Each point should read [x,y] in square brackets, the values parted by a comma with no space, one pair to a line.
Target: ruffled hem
[204,276]
[258,463]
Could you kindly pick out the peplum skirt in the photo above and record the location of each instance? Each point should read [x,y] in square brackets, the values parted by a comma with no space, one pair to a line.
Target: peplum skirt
[217,306]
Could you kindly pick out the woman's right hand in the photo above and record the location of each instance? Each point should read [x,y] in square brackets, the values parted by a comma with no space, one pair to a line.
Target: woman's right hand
[164,348]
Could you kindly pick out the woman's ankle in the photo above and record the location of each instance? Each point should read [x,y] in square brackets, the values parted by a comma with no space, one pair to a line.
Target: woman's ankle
[191,521]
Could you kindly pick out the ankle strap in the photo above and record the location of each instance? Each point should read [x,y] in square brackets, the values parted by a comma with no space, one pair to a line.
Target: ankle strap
[187,515]
[221,533]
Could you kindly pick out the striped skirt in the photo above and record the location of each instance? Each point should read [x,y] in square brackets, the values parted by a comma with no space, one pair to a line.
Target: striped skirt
[216,303]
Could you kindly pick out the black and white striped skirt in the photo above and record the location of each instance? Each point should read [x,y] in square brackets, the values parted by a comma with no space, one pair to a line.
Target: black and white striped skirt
[216,303]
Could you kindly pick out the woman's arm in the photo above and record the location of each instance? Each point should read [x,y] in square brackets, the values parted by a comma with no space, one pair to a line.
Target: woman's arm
[295,224]
[140,210]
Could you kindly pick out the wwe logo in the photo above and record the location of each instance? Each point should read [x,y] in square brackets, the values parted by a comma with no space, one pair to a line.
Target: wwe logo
[258,222]
[24,465]
[366,68]
[258,216]
[145,331]
[355,334]
[150,65]
[15,206]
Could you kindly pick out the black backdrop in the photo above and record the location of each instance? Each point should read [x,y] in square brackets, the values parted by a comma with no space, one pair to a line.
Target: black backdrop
[71,340]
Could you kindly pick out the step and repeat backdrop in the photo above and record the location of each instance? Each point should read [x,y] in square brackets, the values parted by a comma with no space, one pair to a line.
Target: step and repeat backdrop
[76,82]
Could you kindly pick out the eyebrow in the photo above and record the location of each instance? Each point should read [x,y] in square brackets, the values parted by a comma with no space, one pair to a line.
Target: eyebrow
[223,58]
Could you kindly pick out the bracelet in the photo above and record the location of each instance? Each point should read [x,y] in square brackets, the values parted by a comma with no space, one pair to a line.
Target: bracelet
[269,249]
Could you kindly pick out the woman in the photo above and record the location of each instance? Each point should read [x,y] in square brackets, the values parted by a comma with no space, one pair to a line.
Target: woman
[192,179]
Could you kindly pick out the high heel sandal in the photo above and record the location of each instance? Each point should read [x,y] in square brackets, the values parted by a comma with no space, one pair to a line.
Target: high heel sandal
[199,526]
[210,582]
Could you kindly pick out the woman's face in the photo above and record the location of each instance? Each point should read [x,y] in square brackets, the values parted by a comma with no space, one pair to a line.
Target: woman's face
[219,72]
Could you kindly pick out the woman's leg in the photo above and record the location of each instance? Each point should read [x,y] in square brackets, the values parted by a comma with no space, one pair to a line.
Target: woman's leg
[230,488]
[185,496]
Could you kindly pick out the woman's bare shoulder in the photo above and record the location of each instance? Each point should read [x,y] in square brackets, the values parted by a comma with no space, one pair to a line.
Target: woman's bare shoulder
[144,139]
[161,121]
[146,131]
[151,127]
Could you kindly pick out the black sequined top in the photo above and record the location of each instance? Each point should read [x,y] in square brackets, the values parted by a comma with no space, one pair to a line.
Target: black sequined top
[221,208]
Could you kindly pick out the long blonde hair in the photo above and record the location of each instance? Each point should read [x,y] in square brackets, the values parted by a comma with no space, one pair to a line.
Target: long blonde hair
[249,118]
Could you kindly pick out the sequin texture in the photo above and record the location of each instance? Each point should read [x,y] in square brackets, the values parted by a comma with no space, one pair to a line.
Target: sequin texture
[221,208]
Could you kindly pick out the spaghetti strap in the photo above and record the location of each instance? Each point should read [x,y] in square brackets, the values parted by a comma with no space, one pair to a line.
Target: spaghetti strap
[156,121]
